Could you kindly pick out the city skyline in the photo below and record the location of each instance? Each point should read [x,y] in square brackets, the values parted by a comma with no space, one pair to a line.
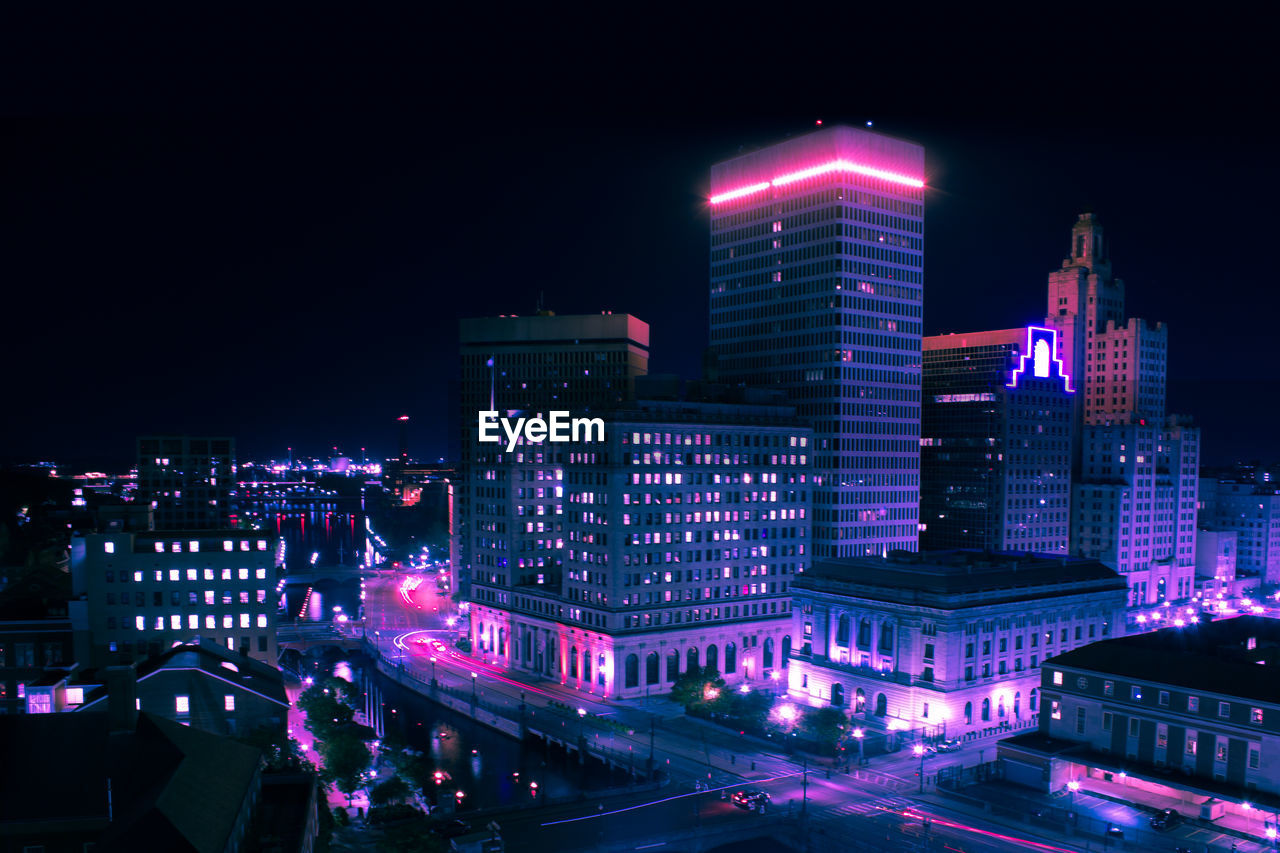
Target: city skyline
[229,252]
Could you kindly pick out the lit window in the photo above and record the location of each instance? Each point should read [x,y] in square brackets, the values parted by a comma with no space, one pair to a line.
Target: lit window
[226,574]
[193,622]
[210,622]
[1057,679]
[244,620]
[262,544]
[159,547]
[75,695]
[228,702]
[226,545]
[109,547]
[262,620]
[1135,693]
[137,577]
[1055,709]
[260,574]
[1224,709]
[228,621]
[182,704]
[175,621]
[1193,703]
[1255,716]
[193,574]
[208,574]
[244,544]
[176,548]
[244,574]
[175,575]
[193,546]
[140,622]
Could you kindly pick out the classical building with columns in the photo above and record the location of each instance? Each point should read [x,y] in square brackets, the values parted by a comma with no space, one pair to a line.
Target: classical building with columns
[679,536]
[945,643]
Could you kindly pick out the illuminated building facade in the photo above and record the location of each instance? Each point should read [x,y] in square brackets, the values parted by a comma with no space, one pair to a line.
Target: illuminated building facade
[680,536]
[1135,506]
[1252,512]
[817,289]
[995,447]
[946,643]
[1188,700]
[188,481]
[1134,469]
[147,591]
[531,365]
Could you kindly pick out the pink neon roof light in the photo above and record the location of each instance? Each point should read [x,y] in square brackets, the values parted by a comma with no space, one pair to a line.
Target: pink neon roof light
[1029,354]
[813,172]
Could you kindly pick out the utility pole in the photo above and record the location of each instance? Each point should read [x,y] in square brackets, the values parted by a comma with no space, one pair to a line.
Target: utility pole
[652,725]
[804,786]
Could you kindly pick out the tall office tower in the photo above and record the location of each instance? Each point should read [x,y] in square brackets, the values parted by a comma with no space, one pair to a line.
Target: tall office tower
[995,447]
[1134,469]
[817,289]
[681,533]
[1252,510]
[575,363]
[1135,506]
[188,481]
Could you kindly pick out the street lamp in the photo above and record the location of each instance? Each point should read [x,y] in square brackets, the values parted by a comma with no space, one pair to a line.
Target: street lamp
[1073,786]
[858,735]
[582,717]
[433,671]
[918,749]
[474,676]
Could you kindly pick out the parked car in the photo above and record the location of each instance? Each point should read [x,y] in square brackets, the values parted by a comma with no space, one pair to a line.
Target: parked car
[1115,832]
[1165,819]
[952,745]
[750,798]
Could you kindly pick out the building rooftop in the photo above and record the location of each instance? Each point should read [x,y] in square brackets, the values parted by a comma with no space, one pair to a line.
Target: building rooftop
[215,659]
[171,787]
[1220,657]
[946,578]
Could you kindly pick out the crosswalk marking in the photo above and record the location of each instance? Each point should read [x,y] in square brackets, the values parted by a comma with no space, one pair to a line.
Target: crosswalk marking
[879,805]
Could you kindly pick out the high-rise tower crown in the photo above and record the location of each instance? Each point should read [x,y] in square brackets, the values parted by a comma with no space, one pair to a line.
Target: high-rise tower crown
[1087,246]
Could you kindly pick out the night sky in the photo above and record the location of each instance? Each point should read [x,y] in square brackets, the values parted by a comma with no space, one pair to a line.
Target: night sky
[274,239]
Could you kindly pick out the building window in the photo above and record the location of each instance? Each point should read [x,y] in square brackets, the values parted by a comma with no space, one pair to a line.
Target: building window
[1162,736]
[182,704]
[1193,703]
[1133,727]
[1055,709]
[1108,688]
[1224,709]
[1255,716]
[1135,693]
[1106,721]
[1255,758]
[1163,697]
[1191,742]
[109,547]
[228,702]
[1079,721]
[1057,678]
[1220,753]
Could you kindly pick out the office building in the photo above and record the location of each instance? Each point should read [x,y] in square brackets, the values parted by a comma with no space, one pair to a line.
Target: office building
[188,481]
[1135,504]
[1251,510]
[995,446]
[1179,713]
[817,289]
[574,363]
[680,535]
[945,643]
[1134,467]
[147,591]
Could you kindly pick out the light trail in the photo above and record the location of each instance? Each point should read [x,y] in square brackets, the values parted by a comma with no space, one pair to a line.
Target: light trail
[751,783]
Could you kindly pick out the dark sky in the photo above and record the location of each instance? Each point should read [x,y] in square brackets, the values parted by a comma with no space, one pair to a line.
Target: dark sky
[274,236]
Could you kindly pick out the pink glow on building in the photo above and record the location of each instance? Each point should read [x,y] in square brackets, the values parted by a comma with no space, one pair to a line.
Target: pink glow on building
[815,171]
[1042,370]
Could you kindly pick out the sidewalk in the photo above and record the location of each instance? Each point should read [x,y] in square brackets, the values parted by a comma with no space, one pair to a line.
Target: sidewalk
[1250,828]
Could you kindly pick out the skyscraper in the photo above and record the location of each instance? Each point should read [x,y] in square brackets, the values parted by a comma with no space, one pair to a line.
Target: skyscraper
[817,289]
[535,364]
[1134,474]
[995,447]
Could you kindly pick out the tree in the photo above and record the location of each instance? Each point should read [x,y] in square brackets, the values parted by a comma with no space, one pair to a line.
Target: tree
[388,790]
[824,726]
[345,760]
[279,751]
[699,687]
[325,711]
